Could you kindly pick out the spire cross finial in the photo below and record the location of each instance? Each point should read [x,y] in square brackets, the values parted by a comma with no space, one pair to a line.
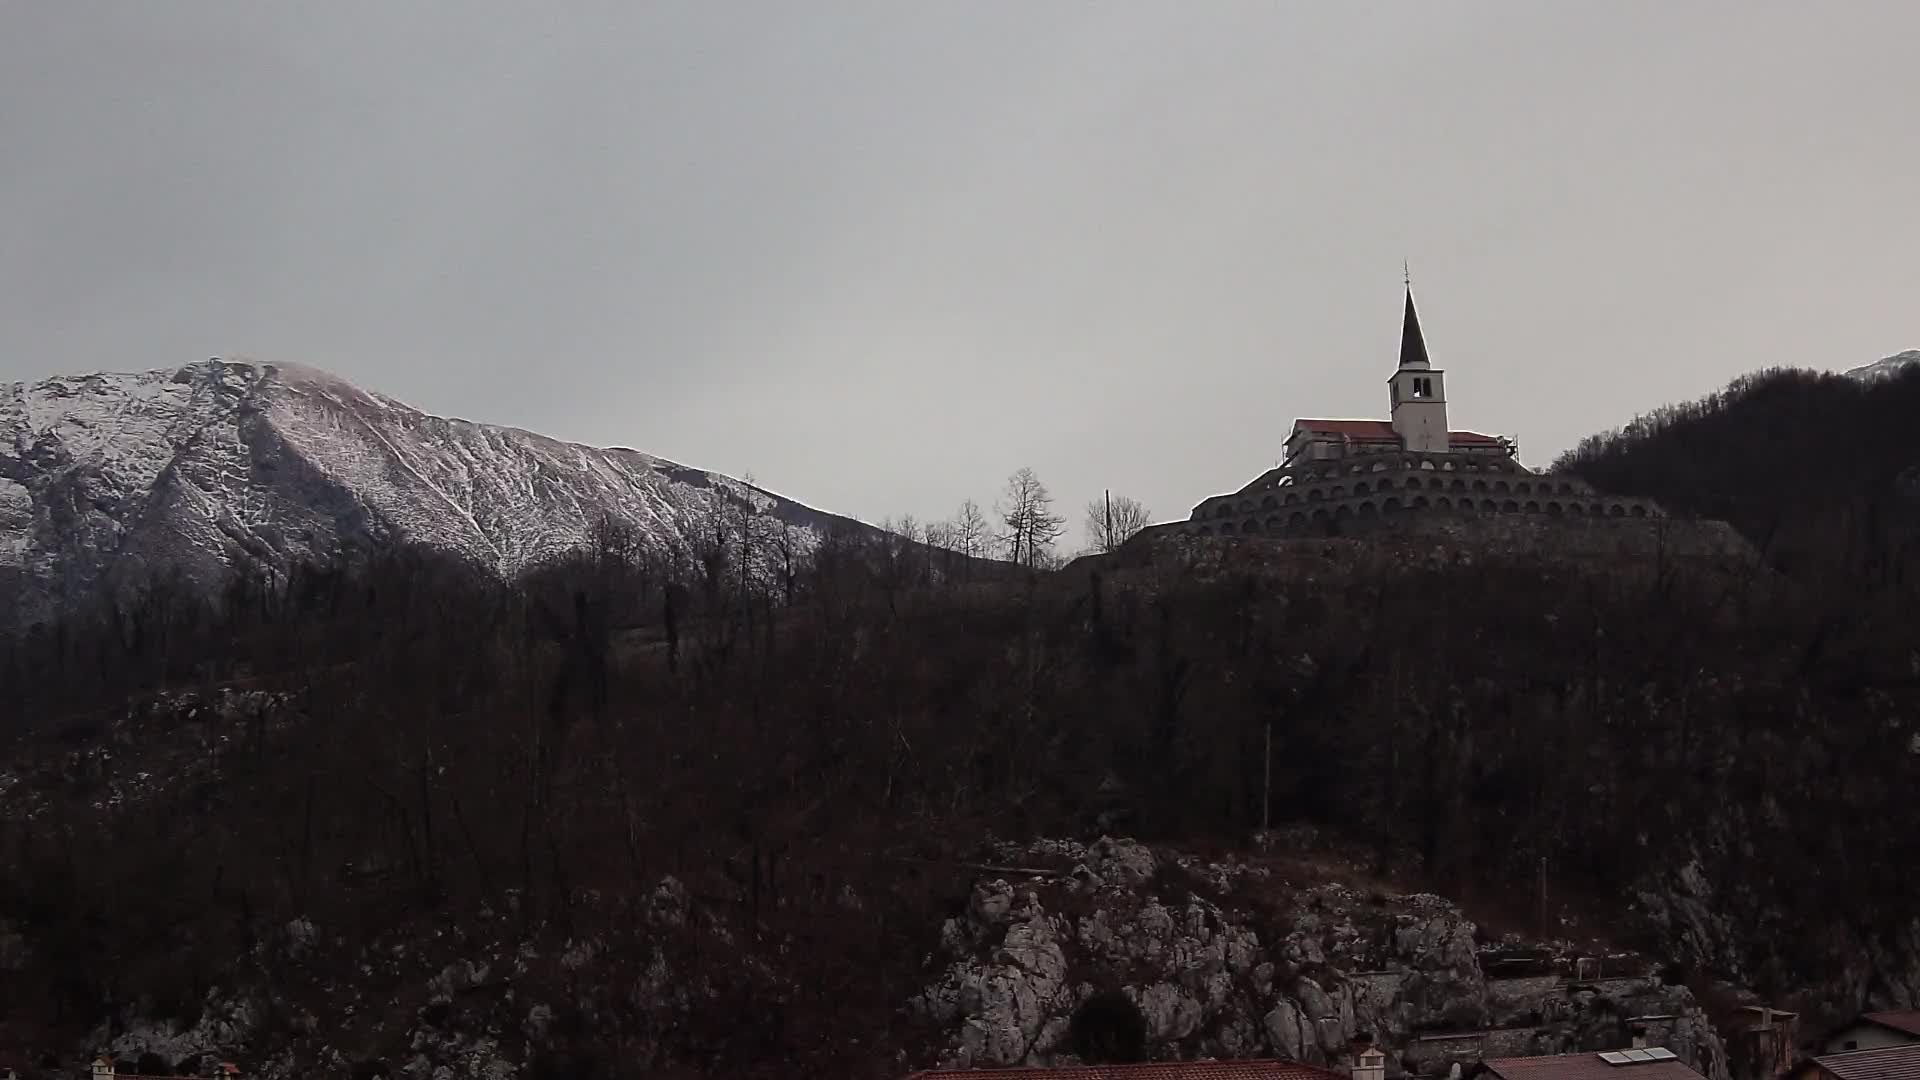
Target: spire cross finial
[1406,271]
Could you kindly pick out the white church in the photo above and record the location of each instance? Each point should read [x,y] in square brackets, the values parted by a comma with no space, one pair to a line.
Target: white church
[1341,475]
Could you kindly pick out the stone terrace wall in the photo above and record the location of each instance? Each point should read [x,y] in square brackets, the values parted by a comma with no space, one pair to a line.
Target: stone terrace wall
[1599,538]
[1319,498]
[1585,536]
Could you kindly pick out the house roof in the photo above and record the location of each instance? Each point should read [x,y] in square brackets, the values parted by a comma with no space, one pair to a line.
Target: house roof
[1382,431]
[1166,1070]
[1886,1063]
[1588,1066]
[1905,1021]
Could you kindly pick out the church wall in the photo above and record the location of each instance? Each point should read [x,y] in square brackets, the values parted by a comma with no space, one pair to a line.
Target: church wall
[1587,536]
[1294,498]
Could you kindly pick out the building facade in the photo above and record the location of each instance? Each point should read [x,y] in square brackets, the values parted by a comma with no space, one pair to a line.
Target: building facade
[1342,475]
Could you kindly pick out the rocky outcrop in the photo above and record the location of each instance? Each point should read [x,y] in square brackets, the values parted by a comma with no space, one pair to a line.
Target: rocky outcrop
[1228,959]
[1716,919]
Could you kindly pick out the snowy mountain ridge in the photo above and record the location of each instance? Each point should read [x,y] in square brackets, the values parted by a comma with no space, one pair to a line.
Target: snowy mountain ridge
[224,463]
[1886,367]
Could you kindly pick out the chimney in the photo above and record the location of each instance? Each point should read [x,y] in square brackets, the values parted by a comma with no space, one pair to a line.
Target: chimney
[1639,1037]
[103,1068]
[1368,1062]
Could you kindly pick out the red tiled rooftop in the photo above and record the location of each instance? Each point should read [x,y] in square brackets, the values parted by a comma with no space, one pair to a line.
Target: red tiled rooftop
[1586,1066]
[1885,1063]
[1471,437]
[1358,430]
[1902,1020]
[1382,431]
[1165,1070]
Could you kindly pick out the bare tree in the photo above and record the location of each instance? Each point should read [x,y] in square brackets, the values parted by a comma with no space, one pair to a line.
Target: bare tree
[1112,521]
[1030,525]
[970,530]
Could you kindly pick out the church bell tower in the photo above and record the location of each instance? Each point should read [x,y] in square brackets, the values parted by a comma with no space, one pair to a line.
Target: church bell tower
[1419,391]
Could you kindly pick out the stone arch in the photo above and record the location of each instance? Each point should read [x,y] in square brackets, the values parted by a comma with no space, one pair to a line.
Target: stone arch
[1296,519]
[1575,509]
[1533,507]
[1289,499]
[1386,484]
[1319,513]
[1639,511]
[1339,492]
[1269,503]
[1419,502]
[1616,510]
[1553,508]
[1342,512]
[1368,509]
[1566,488]
[1509,507]
[1522,488]
[1391,506]
[1315,494]
[1356,469]
[1427,464]
[1500,487]
[1361,488]
[1447,465]
[1479,485]
[1443,503]
[1379,466]
[1274,524]
[1459,484]
[1411,483]
[1489,506]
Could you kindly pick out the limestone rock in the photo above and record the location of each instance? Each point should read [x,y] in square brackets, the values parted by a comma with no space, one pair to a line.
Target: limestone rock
[1321,964]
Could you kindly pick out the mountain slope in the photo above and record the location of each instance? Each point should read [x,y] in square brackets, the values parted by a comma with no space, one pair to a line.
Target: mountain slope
[1887,367]
[222,464]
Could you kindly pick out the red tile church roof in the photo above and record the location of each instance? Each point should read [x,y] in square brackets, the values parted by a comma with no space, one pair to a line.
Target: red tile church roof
[1382,431]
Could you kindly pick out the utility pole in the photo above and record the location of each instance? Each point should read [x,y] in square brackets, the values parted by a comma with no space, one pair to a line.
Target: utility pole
[1106,541]
[1546,931]
[1266,785]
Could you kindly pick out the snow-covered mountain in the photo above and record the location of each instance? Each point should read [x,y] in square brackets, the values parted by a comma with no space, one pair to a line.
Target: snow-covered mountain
[220,463]
[1886,368]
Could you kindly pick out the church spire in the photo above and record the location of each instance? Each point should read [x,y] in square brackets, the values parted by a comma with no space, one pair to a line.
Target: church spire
[1413,344]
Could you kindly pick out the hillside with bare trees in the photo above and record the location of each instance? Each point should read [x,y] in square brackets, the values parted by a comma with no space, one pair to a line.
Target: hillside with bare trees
[408,752]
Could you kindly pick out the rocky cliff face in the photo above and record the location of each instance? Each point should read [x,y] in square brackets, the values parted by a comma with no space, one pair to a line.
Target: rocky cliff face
[1234,957]
[1225,959]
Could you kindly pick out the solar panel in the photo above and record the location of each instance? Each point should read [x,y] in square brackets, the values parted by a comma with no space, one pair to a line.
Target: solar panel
[1614,1057]
[1638,1055]
[1661,1053]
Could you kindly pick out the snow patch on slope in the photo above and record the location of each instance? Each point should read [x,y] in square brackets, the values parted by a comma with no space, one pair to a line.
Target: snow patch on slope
[1887,367]
[224,463]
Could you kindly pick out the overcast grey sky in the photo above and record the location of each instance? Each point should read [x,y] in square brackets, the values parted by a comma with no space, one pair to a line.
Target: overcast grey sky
[879,254]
